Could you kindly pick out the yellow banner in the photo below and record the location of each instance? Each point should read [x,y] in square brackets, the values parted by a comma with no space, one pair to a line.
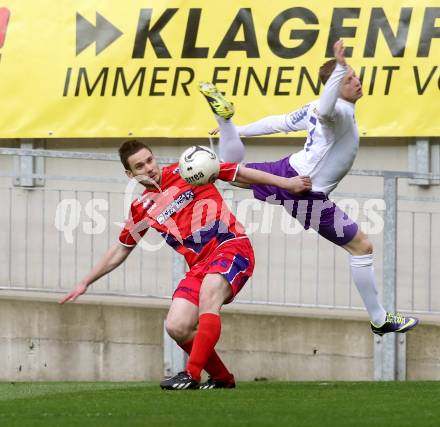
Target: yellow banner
[112,68]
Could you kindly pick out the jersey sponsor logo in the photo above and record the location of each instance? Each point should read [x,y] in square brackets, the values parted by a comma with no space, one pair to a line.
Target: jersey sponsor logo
[161,199]
[181,201]
[298,115]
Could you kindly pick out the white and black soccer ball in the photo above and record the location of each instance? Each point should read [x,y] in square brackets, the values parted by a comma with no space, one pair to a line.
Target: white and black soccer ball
[199,165]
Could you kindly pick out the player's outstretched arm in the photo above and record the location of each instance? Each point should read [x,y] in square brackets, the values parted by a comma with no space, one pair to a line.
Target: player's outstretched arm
[114,257]
[332,88]
[295,185]
[271,125]
[284,123]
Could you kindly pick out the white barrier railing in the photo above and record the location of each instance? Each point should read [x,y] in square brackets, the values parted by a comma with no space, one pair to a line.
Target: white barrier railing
[51,236]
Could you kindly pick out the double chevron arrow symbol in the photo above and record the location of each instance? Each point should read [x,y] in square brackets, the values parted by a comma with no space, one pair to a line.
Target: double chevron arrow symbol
[103,34]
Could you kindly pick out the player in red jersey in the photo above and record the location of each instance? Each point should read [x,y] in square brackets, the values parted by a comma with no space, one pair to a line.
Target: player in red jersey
[196,222]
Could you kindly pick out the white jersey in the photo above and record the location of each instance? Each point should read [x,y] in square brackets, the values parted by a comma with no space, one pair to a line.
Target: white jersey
[332,136]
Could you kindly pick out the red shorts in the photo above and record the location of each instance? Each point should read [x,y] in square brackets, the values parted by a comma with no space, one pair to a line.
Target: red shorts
[234,260]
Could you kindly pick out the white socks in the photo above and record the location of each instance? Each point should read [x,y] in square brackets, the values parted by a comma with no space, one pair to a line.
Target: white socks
[363,276]
[231,149]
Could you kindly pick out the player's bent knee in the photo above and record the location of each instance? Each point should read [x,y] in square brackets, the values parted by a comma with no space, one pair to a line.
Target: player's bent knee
[178,330]
[360,245]
[365,247]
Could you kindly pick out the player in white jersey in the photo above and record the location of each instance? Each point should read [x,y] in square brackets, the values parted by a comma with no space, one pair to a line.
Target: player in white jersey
[328,154]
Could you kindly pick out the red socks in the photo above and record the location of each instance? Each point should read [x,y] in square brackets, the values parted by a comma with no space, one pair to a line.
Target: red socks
[214,366]
[201,349]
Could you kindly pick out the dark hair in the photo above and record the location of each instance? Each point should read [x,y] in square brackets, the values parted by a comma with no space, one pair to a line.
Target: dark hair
[326,70]
[128,148]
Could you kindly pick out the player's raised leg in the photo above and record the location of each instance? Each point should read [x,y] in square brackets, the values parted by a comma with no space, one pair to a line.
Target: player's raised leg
[231,148]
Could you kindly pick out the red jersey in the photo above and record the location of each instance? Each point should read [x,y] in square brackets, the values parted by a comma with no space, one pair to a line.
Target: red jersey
[194,220]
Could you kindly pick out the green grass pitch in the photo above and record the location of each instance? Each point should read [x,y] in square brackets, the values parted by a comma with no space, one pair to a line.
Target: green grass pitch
[250,404]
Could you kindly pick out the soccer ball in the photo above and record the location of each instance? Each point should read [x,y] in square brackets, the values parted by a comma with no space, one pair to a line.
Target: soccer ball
[199,165]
